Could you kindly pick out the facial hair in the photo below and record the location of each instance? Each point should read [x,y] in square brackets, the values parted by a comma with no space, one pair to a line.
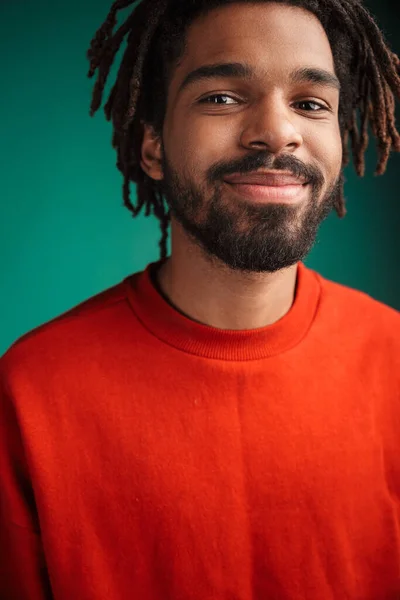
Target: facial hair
[245,236]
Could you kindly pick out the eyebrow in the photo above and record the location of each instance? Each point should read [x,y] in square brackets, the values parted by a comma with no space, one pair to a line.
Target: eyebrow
[244,71]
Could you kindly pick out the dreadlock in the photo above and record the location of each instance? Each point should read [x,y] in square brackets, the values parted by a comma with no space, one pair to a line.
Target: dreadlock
[367,69]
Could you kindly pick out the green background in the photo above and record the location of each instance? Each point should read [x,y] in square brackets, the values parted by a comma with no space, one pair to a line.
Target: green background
[64,234]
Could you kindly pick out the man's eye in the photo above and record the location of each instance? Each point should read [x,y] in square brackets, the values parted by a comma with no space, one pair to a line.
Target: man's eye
[223,99]
[209,99]
[315,106]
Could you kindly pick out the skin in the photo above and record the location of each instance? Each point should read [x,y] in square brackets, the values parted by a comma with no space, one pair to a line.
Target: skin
[234,262]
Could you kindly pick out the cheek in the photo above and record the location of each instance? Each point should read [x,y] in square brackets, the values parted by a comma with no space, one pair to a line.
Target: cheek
[323,148]
[194,144]
[327,149]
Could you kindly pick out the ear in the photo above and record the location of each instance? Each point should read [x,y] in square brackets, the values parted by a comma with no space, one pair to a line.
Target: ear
[151,153]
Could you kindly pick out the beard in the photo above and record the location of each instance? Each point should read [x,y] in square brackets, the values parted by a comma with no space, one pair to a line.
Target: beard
[246,236]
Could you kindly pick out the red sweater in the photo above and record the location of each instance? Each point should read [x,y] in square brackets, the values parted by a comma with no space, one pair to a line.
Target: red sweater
[146,456]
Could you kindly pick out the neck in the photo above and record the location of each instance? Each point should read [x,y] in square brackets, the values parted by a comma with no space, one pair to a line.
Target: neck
[214,295]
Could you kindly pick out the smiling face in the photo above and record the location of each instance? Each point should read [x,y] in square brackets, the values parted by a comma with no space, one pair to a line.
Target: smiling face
[254,90]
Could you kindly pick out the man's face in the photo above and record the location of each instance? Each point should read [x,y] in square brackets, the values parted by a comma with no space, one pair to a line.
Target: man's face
[226,124]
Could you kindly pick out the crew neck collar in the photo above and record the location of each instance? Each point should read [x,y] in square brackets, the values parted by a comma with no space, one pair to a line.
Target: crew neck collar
[172,327]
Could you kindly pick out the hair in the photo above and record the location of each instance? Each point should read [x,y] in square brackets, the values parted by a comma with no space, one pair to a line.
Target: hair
[366,67]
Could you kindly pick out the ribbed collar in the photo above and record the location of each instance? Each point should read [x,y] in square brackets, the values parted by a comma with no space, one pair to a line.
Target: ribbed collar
[175,329]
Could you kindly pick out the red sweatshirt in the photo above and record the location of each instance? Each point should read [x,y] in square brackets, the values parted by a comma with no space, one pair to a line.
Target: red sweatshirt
[145,456]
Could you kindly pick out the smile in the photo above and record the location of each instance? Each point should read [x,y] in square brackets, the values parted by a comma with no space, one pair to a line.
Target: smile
[284,194]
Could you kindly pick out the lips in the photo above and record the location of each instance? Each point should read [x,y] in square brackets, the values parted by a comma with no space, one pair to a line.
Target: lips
[267,179]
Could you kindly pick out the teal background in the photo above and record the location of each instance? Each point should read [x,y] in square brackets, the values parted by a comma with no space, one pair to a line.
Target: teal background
[64,234]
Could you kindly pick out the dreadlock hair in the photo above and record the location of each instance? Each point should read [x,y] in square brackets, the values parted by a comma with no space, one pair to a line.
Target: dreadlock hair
[367,69]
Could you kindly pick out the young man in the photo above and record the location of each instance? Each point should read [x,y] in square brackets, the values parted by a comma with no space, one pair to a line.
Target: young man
[225,423]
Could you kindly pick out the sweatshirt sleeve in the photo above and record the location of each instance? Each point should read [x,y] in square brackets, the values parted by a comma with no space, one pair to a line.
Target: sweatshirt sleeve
[23,572]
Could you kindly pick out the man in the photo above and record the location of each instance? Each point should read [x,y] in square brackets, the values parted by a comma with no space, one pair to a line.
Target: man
[225,423]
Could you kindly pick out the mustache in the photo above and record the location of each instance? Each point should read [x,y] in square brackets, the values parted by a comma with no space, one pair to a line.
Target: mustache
[263,160]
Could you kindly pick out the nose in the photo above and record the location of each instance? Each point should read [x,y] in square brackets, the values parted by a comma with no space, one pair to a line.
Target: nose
[272,126]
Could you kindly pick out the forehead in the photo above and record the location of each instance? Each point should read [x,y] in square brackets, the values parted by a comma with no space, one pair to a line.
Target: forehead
[273,38]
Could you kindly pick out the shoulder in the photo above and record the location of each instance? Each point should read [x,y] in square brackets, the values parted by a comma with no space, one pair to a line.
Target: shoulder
[352,300]
[355,313]
[65,335]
